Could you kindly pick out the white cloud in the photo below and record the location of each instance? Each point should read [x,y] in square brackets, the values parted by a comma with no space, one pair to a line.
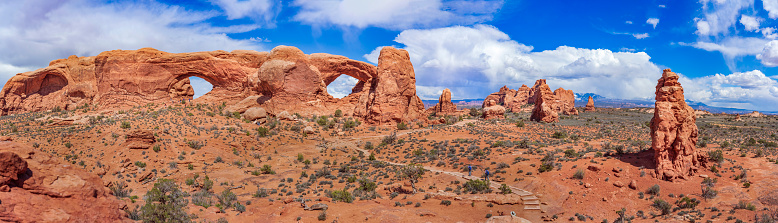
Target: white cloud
[751,23]
[719,16]
[640,35]
[768,32]
[662,6]
[747,90]
[342,86]
[732,47]
[475,61]
[258,10]
[394,14]
[628,22]
[771,6]
[40,31]
[652,21]
[769,55]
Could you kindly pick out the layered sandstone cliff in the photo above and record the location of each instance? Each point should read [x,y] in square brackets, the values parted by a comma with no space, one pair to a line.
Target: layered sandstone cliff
[284,79]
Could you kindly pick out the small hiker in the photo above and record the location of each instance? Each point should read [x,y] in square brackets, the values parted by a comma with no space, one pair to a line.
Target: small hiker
[487,175]
[469,170]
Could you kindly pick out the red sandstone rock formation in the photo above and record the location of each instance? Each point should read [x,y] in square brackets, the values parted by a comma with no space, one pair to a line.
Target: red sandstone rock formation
[50,190]
[674,132]
[493,110]
[565,102]
[392,93]
[444,105]
[544,103]
[590,104]
[140,139]
[284,79]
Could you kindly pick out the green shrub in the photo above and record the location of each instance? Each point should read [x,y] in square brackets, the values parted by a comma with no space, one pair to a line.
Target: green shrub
[476,186]
[125,125]
[165,202]
[140,164]
[402,126]
[262,131]
[446,202]
[322,215]
[579,174]
[194,144]
[716,156]
[504,189]
[341,195]
[119,189]
[687,202]
[662,206]
[338,113]
[653,190]
[559,135]
[745,205]
[267,169]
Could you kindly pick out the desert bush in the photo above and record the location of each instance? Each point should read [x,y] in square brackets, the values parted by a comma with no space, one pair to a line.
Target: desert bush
[341,195]
[202,198]
[194,144]
[579,174]
[687,202]
[653,190]
[262,131]
[125,125]
[476,186]
[267,169]
[120,190]
[745,205]
[709,193]
[165,202]
[559,135]
[716,156]
[445,202]
[504,189]
[227,199]
[662,206]
[412,173]
[402,126]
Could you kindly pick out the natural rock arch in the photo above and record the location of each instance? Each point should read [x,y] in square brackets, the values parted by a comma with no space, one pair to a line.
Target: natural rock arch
[283,79]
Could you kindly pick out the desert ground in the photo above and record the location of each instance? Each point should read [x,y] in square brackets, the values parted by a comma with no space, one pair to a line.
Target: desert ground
[597,166]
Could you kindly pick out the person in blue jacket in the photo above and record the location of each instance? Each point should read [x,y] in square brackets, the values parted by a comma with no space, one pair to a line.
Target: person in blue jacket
[487,175]
[469,170]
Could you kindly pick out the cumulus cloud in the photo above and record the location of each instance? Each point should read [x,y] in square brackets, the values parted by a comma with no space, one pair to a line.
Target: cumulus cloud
[39,31]
[258,10]
[475,61]
[394,14]
[747,90]
[342,86]
[769,55]
[771,6]
[662,6]
[652,21]
[628,22]
[751,23]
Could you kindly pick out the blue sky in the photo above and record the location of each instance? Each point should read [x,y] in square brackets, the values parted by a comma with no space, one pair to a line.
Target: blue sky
[725,50]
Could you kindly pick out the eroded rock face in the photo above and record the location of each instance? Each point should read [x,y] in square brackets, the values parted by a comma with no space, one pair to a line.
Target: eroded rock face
[140,139]
[493,110]
[284,79]
[674,132]
[50,190]
[589,105]
[565,101]
[444,105]
[11,166]
[392,93]
[544,103]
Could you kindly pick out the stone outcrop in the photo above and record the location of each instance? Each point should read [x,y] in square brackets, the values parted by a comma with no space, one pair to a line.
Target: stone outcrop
[563,101]
[544,104]
[255,113]
[392,92]
[140,139]
[755,114]
[50,190]
[444,105]
[674,132]
[284,79]
[589,105]
[493,110]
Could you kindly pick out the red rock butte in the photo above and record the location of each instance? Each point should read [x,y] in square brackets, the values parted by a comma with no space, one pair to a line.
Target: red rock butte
[674,132]
[284,79]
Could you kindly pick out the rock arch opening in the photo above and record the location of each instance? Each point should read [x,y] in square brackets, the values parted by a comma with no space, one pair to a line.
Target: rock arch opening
[200,86]
[342,86]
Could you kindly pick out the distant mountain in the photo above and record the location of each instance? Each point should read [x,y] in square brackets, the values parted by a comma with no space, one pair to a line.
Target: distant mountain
[603,102]
[585,96]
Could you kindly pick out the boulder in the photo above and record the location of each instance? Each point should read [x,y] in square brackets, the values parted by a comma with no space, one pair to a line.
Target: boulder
[633,184]
[11,166]
[52,190]
[308,130]
[254,113]
[140,139]
[674,132]
[317,206]
[544,104]
[493,111]
[589,105]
